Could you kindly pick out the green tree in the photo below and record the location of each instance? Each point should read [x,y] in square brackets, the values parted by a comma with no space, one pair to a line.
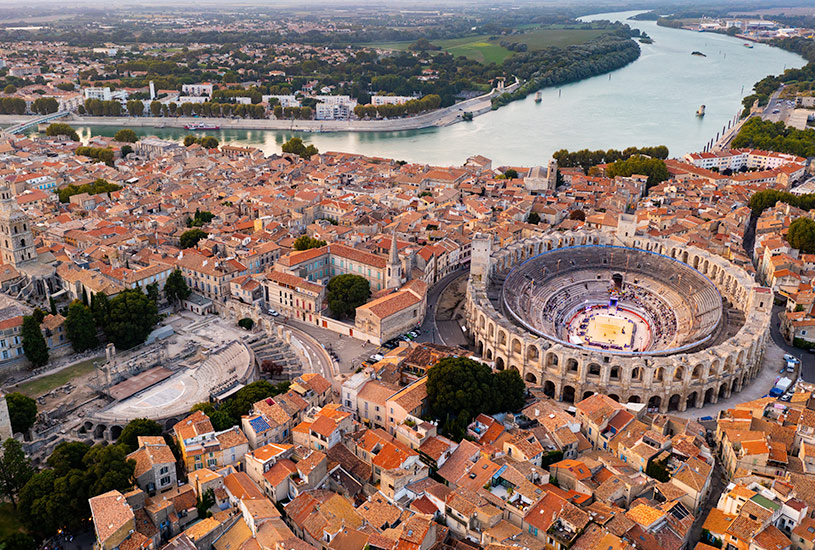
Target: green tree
[345,293]
[155,108]
[190,139]
[100,307]
[61,129]
[801,235]
[131,317]
[658,470]
[126,135]
[240,403]
[190,238]
[15,470]
[654,168]
[304,242]
[509,390]
[108,469]
[34,346]
[135,107]
[206,502]
[578,215]
[209,142]
[18,541]
[80,327]
[153,292]
[135,428]
[511,174]
[533,218]
[38,315]
[175,288]
[10,89]
[67,456]
[22,411]
[126,150]
[295,146]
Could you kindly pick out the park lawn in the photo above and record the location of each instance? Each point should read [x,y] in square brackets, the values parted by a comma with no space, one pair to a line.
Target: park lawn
[35,388]
[544,38]
[481,51]
[9,520]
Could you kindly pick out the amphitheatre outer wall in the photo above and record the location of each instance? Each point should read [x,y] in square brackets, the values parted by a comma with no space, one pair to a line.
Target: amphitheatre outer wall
[569,373]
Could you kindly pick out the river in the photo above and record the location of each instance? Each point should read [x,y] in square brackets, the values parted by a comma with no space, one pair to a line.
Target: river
[652,101]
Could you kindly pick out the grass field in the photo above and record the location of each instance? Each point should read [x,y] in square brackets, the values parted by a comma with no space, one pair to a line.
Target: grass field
[9,521]
[45,384]
[485,50]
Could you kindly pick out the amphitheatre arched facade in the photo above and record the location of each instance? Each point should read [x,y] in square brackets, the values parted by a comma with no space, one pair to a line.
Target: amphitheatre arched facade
[711,347]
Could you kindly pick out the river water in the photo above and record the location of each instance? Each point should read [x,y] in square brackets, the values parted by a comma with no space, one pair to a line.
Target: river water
[652,101]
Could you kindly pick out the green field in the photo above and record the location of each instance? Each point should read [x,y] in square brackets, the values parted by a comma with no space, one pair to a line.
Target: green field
[47,383]
[483,49]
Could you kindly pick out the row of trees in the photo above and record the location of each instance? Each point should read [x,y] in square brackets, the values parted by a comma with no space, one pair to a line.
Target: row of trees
[584,158]
[99,185]
[289,113]
[654,168]
[12,106]
[61,129]
[44,105]
[102,154]
[207,142]
[766,198]
[410,107]
[775,136]
[459,389]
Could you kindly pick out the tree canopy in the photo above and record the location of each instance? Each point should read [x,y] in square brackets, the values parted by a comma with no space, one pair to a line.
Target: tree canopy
[801,235]
[34,346]
[22,411]
[61,129]
[135,428]
[80,327]
[346,292]
[126,135]
[15,469]
[296,146]
[130,318]
[190,238]
[654,168]
[97,186]
[775,136]
[175,288]
[459,389]
[304,242]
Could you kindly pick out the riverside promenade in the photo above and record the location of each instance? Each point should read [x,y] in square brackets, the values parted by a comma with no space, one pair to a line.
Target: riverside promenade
[440,117]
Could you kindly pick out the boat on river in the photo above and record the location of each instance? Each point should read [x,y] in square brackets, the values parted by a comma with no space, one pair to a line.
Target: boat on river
[201,126]
[700,111]
[538,97]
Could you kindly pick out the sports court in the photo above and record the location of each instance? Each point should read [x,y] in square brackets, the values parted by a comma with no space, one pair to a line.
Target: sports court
[607,329]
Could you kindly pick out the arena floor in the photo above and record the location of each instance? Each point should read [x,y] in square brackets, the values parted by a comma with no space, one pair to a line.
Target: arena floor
[604,327]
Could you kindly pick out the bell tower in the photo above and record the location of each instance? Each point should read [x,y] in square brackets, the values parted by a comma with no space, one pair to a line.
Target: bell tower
[16,239]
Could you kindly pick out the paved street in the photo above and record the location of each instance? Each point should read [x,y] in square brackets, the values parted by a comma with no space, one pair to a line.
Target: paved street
[807,359]
[438,330]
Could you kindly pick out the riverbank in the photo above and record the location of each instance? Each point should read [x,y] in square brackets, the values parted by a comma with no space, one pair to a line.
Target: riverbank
[434,119]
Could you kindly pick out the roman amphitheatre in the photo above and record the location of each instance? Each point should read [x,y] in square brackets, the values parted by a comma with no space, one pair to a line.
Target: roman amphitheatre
[643,320]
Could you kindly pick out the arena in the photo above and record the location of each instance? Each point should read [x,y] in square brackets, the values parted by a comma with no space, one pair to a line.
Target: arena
[643,320]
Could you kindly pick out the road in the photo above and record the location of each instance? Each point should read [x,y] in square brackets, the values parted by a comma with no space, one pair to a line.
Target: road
[775,103]
[431,331]
[807,359]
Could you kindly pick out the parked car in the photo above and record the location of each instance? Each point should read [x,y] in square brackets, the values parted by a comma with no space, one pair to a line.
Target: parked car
[273,312]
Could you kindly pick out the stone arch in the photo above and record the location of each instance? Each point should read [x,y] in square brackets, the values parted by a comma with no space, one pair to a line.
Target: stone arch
[615,397]
[673,402]
[532,354]
[568,394]
[549,389]
[479,348]
[516,346]
[572,365]
[489,354]
[691,400]
[634,399]
[636,374]
[594,370]
[530,377]
[659,374]
[614,373]
[708,398]
[115,432]
[502,338]
[588,393]
[482,321]
[99,431]
[679,374]
[655,402]
[491,330]
[551,360]
[723,391]
[697,372]
[499,363]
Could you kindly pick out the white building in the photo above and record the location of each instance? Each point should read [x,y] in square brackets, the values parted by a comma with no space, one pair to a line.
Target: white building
[102,94]
[390,99]
[335,99]
[283,100]
[192,99]
[197,89]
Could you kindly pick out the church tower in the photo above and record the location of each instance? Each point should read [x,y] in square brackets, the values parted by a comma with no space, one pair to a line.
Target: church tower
[394,265]
[16,239]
